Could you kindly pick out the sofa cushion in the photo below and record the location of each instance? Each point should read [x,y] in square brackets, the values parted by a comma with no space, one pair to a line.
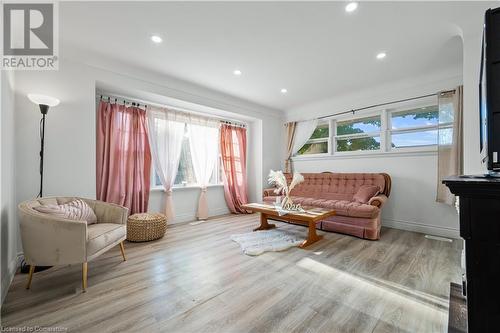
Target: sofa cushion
[365,193]
[341,207]
[335,186]
[101,235]
[76,209]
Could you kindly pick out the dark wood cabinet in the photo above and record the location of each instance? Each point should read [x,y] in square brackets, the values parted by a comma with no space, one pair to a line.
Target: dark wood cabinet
[480,228]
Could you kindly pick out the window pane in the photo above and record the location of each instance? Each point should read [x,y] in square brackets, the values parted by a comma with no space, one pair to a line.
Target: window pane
[414,139]
[157,181]
[446,113]
[216,177]
[314,148]
[322,131]
[362,125]
[415,117]
[370,143]
[185,172]
[445,136]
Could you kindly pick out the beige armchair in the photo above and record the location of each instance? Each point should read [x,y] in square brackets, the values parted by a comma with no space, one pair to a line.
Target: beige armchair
[50,241]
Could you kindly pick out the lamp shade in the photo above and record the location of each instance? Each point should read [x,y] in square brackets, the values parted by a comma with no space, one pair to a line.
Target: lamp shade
[43,100]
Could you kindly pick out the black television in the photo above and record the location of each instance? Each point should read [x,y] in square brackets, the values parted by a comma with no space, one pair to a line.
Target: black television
[489,93]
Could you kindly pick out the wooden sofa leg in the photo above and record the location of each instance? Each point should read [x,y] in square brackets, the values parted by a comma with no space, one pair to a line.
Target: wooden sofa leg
[84,277]
[30,276]
[122,249]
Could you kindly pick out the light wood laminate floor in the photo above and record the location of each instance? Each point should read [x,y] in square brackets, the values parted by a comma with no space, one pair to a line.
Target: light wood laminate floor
[196,279]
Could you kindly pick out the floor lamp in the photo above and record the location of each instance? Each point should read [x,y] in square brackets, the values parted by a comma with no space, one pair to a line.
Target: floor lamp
[44,102]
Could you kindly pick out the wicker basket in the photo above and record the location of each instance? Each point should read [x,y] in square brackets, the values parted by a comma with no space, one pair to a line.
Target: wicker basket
[145,227]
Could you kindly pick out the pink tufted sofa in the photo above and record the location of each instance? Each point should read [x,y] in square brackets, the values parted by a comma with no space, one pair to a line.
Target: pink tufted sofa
[336,191]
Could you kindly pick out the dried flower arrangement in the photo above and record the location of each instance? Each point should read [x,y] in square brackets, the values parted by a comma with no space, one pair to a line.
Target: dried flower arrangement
[278,179]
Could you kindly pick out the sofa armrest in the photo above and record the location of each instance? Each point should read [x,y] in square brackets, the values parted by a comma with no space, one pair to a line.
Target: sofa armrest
[109,213]
[378,200]
[49,240]
[269,192]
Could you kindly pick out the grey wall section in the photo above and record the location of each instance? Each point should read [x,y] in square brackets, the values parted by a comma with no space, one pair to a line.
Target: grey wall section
[9,233]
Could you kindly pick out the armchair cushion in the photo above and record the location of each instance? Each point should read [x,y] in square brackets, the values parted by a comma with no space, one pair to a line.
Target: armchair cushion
[76,210]
[101,235]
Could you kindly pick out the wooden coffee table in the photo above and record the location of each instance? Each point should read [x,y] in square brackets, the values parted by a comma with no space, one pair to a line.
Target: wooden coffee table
[309,218]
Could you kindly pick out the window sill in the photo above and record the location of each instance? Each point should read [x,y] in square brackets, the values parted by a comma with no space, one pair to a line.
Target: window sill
[180,187]
[428,151]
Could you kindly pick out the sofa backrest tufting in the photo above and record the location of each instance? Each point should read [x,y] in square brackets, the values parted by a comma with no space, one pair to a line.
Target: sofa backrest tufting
[338,186]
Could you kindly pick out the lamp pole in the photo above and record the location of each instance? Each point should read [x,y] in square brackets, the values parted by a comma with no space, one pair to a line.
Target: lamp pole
[43,109]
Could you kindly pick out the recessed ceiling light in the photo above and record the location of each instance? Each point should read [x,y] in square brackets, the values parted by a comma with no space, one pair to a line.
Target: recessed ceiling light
[284,90]
[237,72]
[351,6]
[381,55]
[156,39]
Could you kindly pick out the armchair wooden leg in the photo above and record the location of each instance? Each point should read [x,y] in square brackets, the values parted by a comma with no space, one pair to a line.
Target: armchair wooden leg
[84,277]
[123,251]
[30,276]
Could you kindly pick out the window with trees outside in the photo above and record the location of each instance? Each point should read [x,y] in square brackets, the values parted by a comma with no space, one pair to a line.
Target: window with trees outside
[318,143]
[185,172]
[403,129]
[358,134]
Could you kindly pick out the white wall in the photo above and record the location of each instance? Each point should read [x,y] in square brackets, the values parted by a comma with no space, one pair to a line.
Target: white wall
[472,39]
[411,205]
[70,130]
[9,231]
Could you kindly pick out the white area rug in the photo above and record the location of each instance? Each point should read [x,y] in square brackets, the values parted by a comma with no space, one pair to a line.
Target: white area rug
[258,242]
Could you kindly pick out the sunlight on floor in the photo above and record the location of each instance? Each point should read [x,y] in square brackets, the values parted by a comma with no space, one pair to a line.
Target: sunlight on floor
[418,305]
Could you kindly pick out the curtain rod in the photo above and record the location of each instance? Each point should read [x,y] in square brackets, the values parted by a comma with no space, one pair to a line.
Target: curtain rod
[121,100]
[230,123]
[383,104]
[133,101]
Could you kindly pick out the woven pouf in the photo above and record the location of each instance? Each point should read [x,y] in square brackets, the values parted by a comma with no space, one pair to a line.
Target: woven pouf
[145,227]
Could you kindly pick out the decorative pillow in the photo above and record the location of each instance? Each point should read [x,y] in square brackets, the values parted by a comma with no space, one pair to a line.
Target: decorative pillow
[365,193]
[73,210]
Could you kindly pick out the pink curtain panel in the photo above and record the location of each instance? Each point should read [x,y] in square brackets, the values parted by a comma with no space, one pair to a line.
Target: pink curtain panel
[233,144]
[123,156]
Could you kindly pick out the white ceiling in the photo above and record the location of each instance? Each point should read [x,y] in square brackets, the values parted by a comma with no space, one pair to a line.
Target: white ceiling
[315,50]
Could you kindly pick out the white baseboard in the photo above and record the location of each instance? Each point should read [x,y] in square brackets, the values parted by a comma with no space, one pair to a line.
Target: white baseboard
[8,276]
[191,216]
[422,228]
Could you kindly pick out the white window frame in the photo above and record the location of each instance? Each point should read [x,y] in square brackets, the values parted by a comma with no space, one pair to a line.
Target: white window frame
[385,133]
[218,179]
[358,135]
[412,129]
[320,140]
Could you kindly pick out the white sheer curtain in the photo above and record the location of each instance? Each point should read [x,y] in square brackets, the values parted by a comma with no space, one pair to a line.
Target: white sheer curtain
[303,131]
[166,131]
[450,141]
[203,141]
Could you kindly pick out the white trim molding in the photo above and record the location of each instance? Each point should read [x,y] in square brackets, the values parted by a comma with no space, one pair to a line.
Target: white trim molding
[9,276]
[190,217]
[421,228]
